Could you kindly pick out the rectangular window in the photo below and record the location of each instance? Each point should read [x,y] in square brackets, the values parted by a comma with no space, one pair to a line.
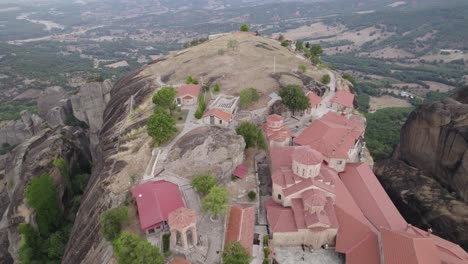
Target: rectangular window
[220,121]
[279,196]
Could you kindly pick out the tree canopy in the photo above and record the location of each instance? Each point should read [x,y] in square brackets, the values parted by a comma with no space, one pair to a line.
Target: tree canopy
[161,126]
[248,96]
[203,183]
[111,222]
[191,80]
[165,98]
[252,135]
[294,98]
[326,79]
[132,249]
[42,195]
[299,45]
[216,201]
[235,253]
[244,28]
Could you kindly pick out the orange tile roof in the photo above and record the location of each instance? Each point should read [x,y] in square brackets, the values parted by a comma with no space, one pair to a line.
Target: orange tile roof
[280,219]
[189,89]
[371,197]
[178,260]
[219,114]
[307,156]
[182,217]
[241,226]
[333,135]
[274,118]
[343,98]
[314,99]
[403,248]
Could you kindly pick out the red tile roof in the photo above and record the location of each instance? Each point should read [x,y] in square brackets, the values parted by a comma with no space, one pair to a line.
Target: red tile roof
[182,218]
[241,226]
[343,98]
[189,89]
[314,197]
[401,248]
[155,200]
[333,135]
[280,219]
[314,99]
[307,156]
[274,118]
[178,260]
[371,197]
[275,130]
[240,171]
[219,114]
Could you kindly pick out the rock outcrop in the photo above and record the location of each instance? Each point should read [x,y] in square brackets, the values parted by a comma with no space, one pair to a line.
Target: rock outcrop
[435,139]
[15,132]
[423,201]
[427,178]
[30,159]
[207,149]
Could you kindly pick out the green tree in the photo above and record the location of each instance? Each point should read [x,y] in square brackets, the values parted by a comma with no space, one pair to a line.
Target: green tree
[165,98]
[363,101]
[111,222]
[252,135]
[31,245]
[235,253]
[216,88]
[132,249]
[42,195]
[216,201]
[191,80]
[316,49]
[248,96]
[326,79]
[244,28]
[56,246]
[252,195]
[299,45]
[161,126]
[349,77]
[302,68]
[201,107]
[294,98]
[203,183]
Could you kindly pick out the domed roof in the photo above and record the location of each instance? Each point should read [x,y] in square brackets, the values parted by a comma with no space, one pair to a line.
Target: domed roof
[307,156]
[274,118]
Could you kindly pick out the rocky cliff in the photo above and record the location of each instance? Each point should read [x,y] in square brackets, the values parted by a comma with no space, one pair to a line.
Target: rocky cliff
[435,139]
[428,176]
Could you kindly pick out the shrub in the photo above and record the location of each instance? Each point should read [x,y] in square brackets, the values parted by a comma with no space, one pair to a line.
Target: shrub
[166,242]
[266,251]
[111,222]
[266,261]
[252,135]
[285,43]
[216,88]
[326,79]
[266,239]
[252,195]
[248,96]
[235,253]
[302,68]
[244,28]
[203,183]
[130,248]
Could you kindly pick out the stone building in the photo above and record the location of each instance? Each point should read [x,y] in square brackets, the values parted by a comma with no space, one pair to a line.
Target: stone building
[315,102]
[337,138]
[183,226]
[188,94]
[342,102]
[302,209]
[277,134]
[221,112]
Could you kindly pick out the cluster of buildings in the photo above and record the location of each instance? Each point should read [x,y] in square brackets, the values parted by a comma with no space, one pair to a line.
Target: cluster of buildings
[220,112]
[324,197]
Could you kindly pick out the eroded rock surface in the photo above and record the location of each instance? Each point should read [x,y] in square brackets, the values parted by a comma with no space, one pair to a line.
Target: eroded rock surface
[423,201]
[435,139]
[207,149]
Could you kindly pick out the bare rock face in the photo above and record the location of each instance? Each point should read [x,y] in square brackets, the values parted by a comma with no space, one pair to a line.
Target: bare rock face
[89,104]
[423,201]
[15,132]
[435,140]
[50,98]
[207,149]
[30,159]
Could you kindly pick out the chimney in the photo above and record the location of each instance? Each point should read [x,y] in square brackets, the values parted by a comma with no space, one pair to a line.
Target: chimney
[429,231]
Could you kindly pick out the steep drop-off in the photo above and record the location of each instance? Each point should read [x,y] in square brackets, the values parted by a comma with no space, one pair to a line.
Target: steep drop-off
[428,176]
